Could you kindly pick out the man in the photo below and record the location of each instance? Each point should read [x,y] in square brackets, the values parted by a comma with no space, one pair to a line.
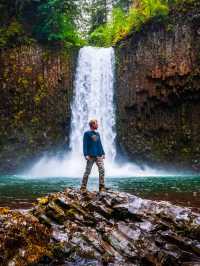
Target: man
[93,152]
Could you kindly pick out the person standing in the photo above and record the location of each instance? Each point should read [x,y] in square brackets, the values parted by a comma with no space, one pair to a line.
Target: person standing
[93,152]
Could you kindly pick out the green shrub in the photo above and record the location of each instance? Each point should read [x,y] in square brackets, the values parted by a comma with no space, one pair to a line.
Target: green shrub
[56,23]
[48,21]
[123,23]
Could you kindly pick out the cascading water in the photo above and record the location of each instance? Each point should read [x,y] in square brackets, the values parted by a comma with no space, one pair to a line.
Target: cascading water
[93,98]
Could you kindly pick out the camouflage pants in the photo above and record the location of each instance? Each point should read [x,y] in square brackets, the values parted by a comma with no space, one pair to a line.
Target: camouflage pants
[100,164]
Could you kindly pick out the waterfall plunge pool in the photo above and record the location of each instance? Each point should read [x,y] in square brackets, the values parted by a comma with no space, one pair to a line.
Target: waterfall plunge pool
[20,192]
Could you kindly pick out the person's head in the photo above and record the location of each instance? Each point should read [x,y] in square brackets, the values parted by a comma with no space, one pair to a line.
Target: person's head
[93,124]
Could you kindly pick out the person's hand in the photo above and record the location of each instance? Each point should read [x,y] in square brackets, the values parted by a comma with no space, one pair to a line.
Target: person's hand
[87,157]
[103,156]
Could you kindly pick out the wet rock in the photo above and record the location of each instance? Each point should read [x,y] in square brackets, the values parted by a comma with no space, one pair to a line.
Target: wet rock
[110,228]
[114,228]
[23,240]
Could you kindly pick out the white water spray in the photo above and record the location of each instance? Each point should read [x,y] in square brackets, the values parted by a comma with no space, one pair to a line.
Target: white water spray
[93,98]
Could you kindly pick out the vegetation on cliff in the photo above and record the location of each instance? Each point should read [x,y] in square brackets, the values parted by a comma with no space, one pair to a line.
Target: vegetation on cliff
[62,22]
[33,80]
[49,21]
[124,22]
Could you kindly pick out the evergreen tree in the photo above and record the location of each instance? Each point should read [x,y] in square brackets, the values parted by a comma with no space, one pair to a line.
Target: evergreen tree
[99,11]
[55,21]
[123,4]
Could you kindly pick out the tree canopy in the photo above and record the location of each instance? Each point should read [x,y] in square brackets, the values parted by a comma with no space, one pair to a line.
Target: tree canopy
[48,21]
[70,23]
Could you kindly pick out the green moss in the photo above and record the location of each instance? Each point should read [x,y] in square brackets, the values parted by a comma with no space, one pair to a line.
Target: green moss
[117,56]
[39,97]
[40,79]
[35,121]
[71,212]
[22,82]
[184,6]
[46,55]
[13,34]
[169,27]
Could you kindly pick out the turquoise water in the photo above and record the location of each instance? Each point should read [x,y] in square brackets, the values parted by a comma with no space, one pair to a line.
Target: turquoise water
[20,192]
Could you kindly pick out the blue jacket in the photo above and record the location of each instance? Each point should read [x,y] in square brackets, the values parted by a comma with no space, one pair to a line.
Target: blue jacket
[92,144]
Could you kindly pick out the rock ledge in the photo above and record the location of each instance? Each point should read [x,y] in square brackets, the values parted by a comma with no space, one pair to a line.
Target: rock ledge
[110,228]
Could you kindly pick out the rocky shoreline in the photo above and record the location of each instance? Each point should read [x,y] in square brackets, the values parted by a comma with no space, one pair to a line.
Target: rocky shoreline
[111,228]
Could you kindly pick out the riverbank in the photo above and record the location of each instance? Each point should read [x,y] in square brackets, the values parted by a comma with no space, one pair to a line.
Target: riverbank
[110,228]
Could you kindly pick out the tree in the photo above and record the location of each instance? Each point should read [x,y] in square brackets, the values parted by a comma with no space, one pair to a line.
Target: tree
[123,4]
[98,13]
[13,9]
[44,20]
[55,21]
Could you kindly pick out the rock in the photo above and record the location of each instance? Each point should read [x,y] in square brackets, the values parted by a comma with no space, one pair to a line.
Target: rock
[122,229]
[33,77]
[157,91]
[110,228]
[23,240]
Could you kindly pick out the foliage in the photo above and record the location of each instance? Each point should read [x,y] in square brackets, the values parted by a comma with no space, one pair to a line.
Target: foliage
[62,22]
[123,4]
[99,13]
[56,22]
[123,23]
[48,21]
[13,34]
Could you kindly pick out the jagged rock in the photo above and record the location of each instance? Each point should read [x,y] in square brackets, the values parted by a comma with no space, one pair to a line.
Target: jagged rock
[110,228]
[115,228]
[23,240]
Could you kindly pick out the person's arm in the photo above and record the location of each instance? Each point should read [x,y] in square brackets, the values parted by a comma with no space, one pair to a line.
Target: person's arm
[101,145]
[85,149]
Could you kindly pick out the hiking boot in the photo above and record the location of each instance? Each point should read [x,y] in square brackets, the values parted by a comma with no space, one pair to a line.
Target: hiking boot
[103,189]
[83,190]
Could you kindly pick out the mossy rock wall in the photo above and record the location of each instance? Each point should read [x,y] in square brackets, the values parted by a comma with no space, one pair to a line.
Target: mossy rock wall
[157,91]
[36,89]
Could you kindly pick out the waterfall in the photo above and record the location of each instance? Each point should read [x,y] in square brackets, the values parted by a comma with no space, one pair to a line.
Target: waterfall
[93,98]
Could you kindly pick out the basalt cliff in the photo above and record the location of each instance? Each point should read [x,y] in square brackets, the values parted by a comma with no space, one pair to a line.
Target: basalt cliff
[157,90]
[36,90]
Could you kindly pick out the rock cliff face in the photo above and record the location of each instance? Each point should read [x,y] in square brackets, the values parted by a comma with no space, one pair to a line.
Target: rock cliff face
[157,90]
[110,228]
[36,89]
